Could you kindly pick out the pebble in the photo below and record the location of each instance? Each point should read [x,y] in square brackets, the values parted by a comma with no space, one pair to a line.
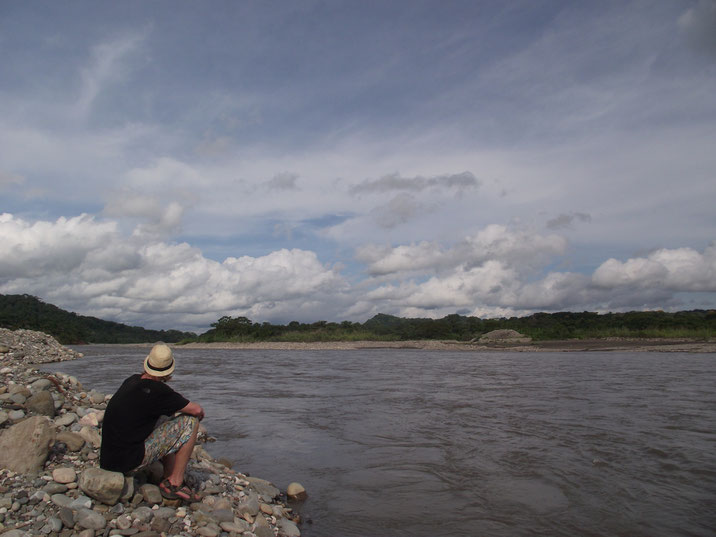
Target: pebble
[64,475]
[86,518]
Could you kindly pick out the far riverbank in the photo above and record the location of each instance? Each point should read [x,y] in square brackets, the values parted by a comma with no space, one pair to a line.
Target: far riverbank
[569,345]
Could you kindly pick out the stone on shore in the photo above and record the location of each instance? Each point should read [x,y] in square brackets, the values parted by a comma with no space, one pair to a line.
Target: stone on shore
[73,441]
[151,494]
[41,403]
[91,520]
[296,491]
[24,447]
[286,528]
[64,475]
[263,487]
[102,485]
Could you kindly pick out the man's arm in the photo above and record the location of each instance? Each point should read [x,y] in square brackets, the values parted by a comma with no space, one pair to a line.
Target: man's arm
[193,409]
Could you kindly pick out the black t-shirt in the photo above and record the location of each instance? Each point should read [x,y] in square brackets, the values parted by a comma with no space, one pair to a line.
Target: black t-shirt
[130,418]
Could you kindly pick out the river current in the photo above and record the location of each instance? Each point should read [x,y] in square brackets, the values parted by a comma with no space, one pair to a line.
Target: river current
[393,442]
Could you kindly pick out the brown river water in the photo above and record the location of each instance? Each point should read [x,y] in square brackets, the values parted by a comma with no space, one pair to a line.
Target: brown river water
[435,443]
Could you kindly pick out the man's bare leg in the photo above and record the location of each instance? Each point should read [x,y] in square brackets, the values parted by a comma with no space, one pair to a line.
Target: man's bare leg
[175,463]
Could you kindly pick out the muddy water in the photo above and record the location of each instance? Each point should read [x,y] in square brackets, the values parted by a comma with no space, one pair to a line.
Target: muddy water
[422,443]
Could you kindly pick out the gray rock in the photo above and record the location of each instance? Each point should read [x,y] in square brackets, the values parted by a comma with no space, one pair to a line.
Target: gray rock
[238,526]
[16,533]
[222,515]
[81,502]
[24,447]
[206,531]
[40,384]
[61,500]
[286,528]
[124,522]
[3,417]
[41,403]
[128,490]
[4,349]
[67,517]
[16,415]
[262,528]
[86,533]
[91,520]
[143,514]
[55,524]
[248,506]
[151,493]
[102,485]
[263,487]
[117,509]
[165,512]
[54,488]
[66,419]
[18,398]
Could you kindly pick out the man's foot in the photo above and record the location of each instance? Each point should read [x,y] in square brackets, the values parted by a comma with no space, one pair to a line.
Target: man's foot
[181,492]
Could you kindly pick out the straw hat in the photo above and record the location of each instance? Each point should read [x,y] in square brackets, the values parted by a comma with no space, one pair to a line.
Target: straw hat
[160,362]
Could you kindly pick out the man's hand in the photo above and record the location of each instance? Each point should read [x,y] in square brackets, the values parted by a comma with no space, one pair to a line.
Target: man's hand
[193,409]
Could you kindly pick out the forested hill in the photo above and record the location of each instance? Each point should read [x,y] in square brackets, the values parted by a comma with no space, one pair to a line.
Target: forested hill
[31,313]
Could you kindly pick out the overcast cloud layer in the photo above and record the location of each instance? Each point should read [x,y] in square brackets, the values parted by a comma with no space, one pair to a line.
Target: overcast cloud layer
[167,163]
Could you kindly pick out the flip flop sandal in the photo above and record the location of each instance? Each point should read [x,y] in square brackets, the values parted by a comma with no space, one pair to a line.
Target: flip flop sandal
[182,492]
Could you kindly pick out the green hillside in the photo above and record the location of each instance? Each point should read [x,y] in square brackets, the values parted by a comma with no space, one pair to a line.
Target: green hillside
[31,313]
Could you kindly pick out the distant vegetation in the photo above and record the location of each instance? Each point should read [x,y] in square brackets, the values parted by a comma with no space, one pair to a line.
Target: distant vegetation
[24,311]
[31,313]
[540,326]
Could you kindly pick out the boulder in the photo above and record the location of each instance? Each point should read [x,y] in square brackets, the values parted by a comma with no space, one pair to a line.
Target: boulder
[295,491]
[24,447]
[286,528]
[41,403]
[73,441]
[263,487]
[102,485]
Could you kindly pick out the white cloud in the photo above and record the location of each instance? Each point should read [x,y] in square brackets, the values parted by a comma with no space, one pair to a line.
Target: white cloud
[88,266]
[680,269]
[522,249]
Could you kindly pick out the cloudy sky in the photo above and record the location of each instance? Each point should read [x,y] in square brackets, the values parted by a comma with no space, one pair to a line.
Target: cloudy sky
[166,163]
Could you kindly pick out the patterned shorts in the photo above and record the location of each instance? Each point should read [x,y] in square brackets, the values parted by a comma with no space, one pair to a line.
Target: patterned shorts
[168,437]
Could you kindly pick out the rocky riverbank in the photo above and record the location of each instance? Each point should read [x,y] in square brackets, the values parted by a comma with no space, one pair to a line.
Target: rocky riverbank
[51,484]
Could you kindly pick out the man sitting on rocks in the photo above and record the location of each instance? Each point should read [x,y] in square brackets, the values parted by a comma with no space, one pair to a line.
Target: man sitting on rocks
[133,435]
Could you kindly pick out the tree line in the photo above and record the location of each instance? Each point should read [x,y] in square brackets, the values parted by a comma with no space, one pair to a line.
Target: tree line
[539,326]
[31,313]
